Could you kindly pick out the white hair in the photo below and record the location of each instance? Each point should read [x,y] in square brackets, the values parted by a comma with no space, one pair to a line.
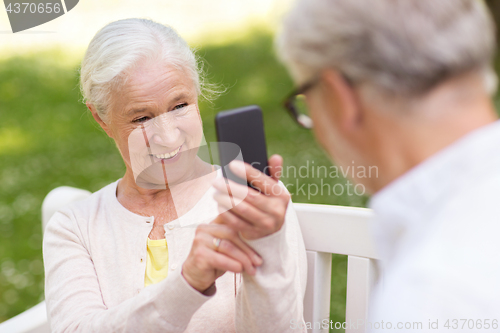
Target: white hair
[122,44]
[401,47]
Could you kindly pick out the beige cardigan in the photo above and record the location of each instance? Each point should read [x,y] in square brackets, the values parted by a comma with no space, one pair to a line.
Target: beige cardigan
[95,259]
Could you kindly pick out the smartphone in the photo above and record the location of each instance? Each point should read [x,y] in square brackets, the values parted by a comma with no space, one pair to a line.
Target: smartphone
[240,135]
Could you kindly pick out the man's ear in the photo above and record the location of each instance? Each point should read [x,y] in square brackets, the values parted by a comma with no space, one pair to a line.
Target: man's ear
[349,114]
[97,118]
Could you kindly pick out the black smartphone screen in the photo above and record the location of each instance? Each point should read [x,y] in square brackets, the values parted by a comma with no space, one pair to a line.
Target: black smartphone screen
[241,131]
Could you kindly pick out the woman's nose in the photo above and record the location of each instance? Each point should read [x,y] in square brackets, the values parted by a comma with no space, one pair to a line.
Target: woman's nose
[165,133]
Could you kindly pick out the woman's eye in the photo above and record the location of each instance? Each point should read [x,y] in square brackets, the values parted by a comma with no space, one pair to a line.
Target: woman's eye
[141,120]
[180,106]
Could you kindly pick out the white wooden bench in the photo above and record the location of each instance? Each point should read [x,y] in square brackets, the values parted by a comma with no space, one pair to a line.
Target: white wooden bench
[341,230]
[326,230]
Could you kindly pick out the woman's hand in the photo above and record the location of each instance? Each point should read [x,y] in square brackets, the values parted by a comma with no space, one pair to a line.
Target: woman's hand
[207,261]
[257,213]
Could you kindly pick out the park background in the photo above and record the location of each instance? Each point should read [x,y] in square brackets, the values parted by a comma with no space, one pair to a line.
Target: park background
[48,138]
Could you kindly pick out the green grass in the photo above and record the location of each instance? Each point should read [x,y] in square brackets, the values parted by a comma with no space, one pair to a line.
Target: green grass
[48,139]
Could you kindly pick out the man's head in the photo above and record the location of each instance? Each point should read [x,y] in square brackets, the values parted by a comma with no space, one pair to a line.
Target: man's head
[398,79]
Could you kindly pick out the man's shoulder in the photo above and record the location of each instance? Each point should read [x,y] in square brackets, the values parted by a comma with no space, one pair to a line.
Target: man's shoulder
[475,204]
[460,248]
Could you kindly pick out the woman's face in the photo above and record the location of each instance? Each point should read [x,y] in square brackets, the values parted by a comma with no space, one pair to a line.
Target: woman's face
[155,122]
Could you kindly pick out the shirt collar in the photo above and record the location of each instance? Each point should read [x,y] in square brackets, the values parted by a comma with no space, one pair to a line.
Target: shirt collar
[409,201]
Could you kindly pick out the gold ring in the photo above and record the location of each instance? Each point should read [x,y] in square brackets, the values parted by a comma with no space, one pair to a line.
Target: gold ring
[217,243]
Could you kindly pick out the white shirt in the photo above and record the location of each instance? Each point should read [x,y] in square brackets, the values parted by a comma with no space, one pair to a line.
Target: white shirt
[438,233]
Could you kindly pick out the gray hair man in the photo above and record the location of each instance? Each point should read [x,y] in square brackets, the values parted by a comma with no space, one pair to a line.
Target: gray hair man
[406,85]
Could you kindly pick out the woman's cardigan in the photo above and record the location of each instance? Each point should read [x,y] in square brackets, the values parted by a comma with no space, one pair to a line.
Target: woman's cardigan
[95,259]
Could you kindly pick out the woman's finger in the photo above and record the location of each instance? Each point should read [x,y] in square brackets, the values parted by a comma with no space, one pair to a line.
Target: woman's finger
[225,204]
[243,210]
[227,248]
[224,200]
[275,166]
[232,222]
[243,227]
[222,262]
[232,194]
[262,214]
[231,188]
[264,203]
[257,179]
[225,232]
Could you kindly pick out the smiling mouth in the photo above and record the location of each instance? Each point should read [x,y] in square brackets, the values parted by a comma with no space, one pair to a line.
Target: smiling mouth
[168,156]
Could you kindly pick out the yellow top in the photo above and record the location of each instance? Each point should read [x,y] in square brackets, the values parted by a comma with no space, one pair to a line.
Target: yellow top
[156,261]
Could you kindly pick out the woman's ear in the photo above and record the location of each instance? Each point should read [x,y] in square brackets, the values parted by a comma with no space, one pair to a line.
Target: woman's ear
[99,120]
[348,113]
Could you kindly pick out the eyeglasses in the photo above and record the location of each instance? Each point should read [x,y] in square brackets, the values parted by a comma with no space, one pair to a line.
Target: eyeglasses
[296,105]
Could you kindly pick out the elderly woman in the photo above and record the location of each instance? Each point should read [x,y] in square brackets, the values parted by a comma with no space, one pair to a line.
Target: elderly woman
[150,252]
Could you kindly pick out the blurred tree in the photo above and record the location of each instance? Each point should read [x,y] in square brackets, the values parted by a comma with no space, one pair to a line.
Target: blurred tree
[495,10]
